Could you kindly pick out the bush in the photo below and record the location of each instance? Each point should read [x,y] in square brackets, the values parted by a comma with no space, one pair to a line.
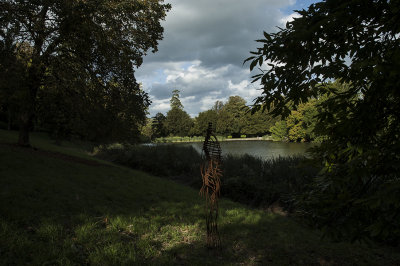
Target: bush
[167,160]
[246,179]
[258,182]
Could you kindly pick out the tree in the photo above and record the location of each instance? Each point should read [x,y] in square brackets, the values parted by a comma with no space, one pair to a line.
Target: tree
[158,125]
[14,60]
[280,131]
[301,122]
[175,101]
[218,105]
[356,43]
[231,116]
[202,120]
[89,112]
[147,130]
[178,122]
[95,41]
[258,123]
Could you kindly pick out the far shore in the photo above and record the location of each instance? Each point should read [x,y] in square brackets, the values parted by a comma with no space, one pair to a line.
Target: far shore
[236,139]
[197,139]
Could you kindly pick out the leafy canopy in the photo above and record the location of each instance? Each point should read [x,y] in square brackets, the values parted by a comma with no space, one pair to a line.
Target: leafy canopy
[177,122]
[95,43]
[356,43]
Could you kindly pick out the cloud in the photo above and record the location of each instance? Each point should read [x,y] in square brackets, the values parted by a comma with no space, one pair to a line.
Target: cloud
[217,32]
[200,86]
[204,46]
[289,18]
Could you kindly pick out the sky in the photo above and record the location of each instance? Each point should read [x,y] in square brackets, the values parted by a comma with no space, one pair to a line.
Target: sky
[205,43]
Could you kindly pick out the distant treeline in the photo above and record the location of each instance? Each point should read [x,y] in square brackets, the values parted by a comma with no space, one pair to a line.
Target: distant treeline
[233,119]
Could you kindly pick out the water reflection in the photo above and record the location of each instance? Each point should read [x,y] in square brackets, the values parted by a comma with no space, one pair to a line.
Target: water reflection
[259,148]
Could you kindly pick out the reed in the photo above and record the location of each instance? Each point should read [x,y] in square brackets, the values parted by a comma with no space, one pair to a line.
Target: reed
[247,179]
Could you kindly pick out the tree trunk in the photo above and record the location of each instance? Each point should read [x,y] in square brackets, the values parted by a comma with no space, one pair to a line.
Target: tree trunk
[23,139]
[36,72]
[9,122]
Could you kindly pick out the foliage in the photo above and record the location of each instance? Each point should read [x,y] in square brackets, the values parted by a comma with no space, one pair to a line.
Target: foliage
[184,139]
[69,213]
[175,101]
[158,125]
[162,160]
[14,60]
[356,43]
[279,131]
[231,117]
[112,113]
[177,122]
[79,45]
[201,122]
[147,131]
[246,179]
[265,183]
[299,125]
[257,123]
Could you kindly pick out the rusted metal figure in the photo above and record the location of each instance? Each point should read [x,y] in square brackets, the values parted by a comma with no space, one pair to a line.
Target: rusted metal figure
[211,173]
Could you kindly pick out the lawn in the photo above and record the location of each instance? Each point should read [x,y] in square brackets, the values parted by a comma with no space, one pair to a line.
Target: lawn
[59,210]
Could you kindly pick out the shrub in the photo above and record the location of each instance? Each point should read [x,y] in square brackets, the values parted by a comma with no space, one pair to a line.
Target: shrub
[246,179]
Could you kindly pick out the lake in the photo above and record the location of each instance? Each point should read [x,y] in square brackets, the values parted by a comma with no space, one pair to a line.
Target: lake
[258,148]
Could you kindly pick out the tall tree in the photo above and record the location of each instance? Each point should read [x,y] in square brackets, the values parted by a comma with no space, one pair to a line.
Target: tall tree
[178,122]
[257,123]
[231,117]
[357,43]
[100,41]
[14,60]
[158,125]
[175,101]
[201,122]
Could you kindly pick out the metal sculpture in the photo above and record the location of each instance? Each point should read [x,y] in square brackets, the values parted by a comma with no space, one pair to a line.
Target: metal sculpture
[211,174]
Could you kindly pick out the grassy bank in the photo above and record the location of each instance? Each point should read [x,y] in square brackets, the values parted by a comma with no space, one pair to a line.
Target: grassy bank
[174,139]
[246,179]
[59,211]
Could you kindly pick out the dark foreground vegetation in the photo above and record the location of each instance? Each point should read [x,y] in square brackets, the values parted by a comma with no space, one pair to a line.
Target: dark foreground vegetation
[285,182]
[246,179]
[67,67]
[60,211]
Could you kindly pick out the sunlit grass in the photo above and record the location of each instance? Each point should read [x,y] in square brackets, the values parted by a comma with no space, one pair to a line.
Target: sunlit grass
[58,212]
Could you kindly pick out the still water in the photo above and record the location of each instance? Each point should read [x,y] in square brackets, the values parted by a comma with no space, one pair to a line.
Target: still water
[258,148]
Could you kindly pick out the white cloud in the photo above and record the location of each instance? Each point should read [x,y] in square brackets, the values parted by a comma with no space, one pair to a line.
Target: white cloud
[289,18]
[205,43]
[160,106]
[200,86]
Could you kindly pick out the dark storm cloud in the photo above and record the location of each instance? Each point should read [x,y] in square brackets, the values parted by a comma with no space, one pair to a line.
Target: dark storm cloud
[216,32]
[204,45]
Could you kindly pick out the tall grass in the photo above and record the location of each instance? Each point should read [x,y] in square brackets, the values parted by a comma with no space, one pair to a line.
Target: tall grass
[246,179]
[55,211]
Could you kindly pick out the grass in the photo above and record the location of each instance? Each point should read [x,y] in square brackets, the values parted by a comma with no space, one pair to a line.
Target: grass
[62,212]
[173,139]
[247,179]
